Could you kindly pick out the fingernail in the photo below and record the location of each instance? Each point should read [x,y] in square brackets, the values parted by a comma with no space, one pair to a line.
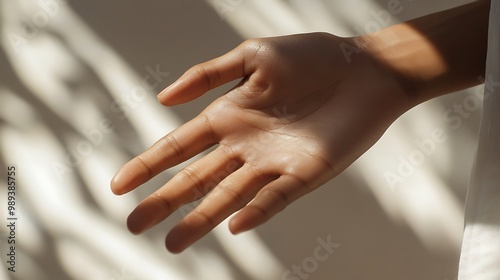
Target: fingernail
[236,227]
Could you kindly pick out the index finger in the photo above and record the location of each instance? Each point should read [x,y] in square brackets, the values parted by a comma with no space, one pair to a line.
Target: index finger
[178,146]
[208,75]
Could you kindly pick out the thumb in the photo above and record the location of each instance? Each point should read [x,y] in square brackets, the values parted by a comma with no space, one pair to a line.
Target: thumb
[205,76]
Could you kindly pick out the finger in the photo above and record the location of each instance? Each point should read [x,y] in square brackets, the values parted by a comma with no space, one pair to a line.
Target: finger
[190,184]
[272,199]
[206,76]
[178,146]
[230,195]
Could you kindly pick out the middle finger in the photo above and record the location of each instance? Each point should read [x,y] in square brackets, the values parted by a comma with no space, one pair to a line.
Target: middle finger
[190,184]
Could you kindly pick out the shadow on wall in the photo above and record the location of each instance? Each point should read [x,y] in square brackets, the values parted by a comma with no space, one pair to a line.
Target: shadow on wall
[77,90]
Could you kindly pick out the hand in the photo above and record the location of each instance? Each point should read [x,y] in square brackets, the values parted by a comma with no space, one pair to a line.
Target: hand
[300,115]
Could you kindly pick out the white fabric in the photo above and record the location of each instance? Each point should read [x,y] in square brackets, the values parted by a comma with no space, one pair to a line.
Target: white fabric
[480,258]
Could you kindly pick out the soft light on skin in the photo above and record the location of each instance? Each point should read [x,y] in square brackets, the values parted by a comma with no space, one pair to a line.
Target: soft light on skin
[405,49]
[433,54]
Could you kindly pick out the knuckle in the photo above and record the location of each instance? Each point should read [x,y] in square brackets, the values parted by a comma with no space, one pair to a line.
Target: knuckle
[261,47]
[211,131]
[255,170]
[163,201]
[172,142]
[265,214]
[237,197]
[190,174]
[206,74]
[278,197]
[147,168]
[204,217]
[252,44]
[228,152]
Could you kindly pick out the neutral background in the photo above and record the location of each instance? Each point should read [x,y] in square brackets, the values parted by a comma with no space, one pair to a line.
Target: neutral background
[66,68]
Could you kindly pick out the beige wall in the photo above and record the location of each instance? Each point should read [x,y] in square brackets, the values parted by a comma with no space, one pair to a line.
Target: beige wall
[84,56]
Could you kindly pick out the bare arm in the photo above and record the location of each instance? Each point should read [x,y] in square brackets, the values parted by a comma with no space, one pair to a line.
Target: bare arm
[436,54]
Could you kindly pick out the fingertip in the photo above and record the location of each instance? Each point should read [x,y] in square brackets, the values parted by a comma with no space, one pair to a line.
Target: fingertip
[174,249]
[147,214]
[134,232]
[204,77]
[134,224]
[174,242]
[124,180]
[235,226]
[181,91]
[163,96]
[244,220]
[130,176]
[187,232]
[115,184]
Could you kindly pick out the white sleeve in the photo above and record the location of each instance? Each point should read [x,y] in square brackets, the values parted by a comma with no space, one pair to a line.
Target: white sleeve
[480,257]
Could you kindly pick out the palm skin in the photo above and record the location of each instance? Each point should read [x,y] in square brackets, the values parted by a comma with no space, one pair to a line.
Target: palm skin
[300,115]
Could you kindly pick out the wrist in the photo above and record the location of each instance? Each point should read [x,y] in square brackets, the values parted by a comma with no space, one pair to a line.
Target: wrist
[407,55]
[435,54]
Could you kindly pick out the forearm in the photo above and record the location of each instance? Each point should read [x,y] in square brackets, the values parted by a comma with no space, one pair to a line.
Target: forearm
[435,54]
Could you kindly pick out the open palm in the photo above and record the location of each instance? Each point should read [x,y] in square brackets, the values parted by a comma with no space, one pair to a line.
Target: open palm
[300,115]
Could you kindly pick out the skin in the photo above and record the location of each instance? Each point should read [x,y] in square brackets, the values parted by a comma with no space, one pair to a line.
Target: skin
[304,110]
